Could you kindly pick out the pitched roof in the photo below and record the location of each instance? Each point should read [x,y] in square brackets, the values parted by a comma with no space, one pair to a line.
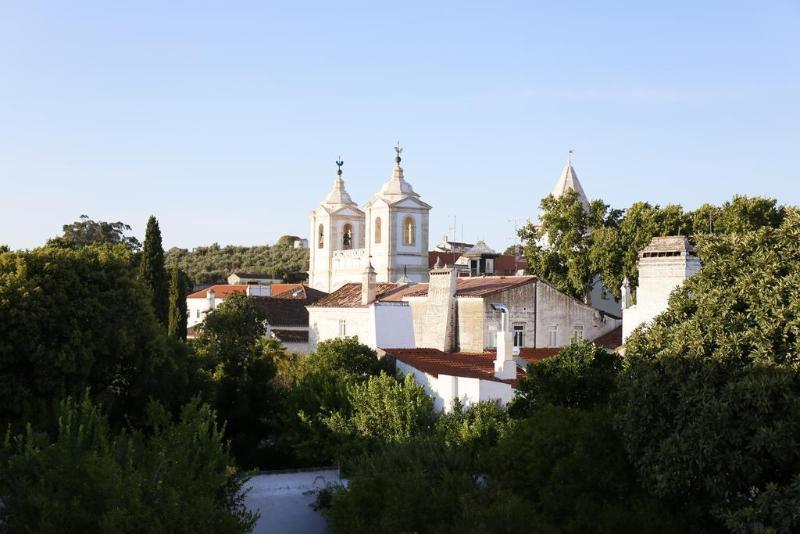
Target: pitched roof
[532,355]
[467,364]
[472,286]
[349,295]
[283,312]
[222,291]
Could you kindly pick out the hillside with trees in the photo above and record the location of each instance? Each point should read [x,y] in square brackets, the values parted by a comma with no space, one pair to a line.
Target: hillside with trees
[213,264]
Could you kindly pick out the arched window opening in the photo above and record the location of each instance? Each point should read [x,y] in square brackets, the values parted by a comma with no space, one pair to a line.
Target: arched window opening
[409,231]
[347,237]
[377,230]
[321,237]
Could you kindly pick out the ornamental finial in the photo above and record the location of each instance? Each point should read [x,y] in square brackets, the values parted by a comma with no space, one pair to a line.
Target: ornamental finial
[399,151]
[339,164]
[569,157]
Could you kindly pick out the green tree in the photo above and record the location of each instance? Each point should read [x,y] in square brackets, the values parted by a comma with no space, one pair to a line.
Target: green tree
[153,273]
[179,286]
[582,375]
[346,356]
[86,231]
[709,403]
[614,252]
[72,319]
[286,241]
[386,410]
[238,367]
[177,478]
[569,467]
[557,250]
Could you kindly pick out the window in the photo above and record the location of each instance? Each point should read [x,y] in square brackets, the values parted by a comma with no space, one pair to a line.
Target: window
[198,314]
[347,237]
[321,237]
[342,328]
[552,336]
[409,231]
[577,333]
[519,335]
[377,230]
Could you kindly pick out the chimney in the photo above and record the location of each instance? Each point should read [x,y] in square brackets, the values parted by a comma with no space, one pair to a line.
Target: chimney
[211,295]
[626,294]
[368,285]
[438,325]
[505,368]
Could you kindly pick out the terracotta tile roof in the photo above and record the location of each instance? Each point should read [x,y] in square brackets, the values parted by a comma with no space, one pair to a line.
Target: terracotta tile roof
[532,355]
[610,340]
[225,290]
[291,336]
[467,364]
[349,295]
[220,290]
[473,286]
[302,292]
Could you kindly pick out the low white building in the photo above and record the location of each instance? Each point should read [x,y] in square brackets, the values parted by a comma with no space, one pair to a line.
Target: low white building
[284,306]
[468,378]
[456,314]
[664,265]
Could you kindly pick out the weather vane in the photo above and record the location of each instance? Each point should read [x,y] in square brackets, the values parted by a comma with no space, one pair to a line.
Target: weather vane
[339,164]
[399,151]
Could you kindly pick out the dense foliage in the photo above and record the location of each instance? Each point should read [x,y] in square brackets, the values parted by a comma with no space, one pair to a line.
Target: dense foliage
[83,477]
[709,406]
[72,319]
[213,264]
[86,231]
[179,287]
[572,246]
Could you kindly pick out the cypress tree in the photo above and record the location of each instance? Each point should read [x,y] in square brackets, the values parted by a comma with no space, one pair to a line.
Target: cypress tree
[152,271]
[178,289]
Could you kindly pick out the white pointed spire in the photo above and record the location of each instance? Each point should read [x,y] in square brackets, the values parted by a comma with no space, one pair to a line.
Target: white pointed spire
[568,181]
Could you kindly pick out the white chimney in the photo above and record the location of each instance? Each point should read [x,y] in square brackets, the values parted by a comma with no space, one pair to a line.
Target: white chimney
[368,284]
[505,367]
[626,294]
[211,295]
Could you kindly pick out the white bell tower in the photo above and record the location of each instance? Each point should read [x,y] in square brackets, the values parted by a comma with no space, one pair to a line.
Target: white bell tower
[336,238]
[397,229]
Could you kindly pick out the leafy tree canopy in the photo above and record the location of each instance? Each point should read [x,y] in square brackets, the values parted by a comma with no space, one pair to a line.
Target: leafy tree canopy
[582,375]
[83,477]
[72,319]
[709,404]
[86,231]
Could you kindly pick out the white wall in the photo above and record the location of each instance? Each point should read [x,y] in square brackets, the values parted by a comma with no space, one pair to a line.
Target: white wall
[380,325]
[557,309]
[196,305]
[445,388]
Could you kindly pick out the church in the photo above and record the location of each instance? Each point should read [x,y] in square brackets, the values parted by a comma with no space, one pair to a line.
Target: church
[390,233]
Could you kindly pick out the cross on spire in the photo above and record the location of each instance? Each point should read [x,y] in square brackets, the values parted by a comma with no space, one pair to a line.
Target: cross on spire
[569,156]
[339,164]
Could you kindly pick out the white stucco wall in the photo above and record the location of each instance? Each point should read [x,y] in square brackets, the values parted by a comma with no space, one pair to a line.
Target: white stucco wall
[445,388]
[198,308]
[380,325]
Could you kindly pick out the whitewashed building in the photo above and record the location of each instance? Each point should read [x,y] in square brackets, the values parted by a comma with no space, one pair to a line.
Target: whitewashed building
[391,231]
[664,265]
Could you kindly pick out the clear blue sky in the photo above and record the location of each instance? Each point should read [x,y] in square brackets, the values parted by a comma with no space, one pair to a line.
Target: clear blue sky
[224,119]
